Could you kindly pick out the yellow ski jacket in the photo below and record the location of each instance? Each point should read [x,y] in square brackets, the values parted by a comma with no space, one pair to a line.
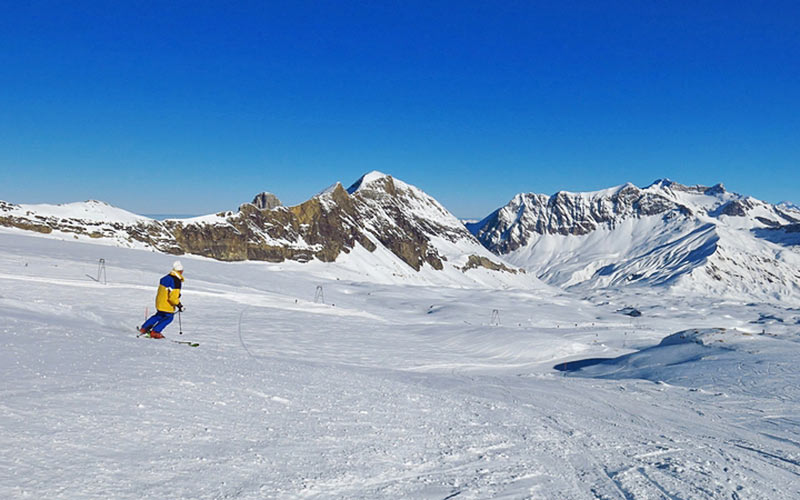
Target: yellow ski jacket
[169,292]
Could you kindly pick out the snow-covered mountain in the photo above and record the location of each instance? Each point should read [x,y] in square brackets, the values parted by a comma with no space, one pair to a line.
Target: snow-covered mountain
[788,205]
[698,238]
[384,221]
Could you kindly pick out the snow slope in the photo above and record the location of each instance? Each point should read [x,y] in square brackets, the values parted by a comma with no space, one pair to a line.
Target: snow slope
[89,221]
[380,389]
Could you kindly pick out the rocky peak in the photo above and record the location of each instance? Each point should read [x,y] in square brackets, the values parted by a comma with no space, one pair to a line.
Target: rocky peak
[6,206]
[405,219]
[715,190]
[735,208]
[662,183]
[667,184]
[789,206]
[378,184]
[366,180]
[266,201]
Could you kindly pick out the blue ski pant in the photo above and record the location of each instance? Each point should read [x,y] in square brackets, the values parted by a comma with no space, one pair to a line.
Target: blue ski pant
[158,321]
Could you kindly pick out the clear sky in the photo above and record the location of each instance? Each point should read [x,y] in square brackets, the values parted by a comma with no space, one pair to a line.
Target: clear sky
[173,107]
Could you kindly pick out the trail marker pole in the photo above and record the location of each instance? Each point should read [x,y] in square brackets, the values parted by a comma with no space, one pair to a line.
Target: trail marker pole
[495,318]
[101,271]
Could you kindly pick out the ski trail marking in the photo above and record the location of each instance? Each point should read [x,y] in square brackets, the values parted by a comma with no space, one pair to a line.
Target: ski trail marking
[767,454]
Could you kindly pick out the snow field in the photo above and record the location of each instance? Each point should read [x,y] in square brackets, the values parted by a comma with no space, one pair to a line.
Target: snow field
[386,390]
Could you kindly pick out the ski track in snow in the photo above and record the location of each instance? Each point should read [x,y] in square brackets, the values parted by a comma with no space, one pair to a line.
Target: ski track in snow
[393,392]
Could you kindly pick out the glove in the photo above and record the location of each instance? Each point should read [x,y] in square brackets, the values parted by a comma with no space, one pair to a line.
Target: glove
[180,307]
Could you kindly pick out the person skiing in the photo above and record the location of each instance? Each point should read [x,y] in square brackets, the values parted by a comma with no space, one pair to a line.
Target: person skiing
[168,299]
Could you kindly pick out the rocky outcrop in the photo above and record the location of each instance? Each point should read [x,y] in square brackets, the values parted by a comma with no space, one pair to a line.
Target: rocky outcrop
[322,228]
[266,201]
[36,224]
[475,261]
[735,208]
[144,230]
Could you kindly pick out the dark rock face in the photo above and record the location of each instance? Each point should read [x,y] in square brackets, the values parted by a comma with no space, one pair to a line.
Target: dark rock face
[768,222]
[787,217]
[27,225]
[476,261]
[630,311]
[714,190]
[266,201]
[737,208]
[321,228]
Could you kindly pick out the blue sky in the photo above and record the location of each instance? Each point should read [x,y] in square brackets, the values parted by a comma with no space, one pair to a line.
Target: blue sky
[173,107]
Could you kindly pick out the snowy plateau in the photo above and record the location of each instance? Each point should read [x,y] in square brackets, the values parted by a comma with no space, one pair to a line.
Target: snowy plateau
[649,351]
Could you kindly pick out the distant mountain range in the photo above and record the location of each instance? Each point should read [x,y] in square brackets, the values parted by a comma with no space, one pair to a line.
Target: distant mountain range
[696,238]
[788,205]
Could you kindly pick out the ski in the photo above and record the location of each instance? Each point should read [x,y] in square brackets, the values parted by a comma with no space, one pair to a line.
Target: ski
[186,342]
[191,344]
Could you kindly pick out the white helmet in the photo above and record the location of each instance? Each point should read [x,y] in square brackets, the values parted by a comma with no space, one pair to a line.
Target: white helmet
[177,266]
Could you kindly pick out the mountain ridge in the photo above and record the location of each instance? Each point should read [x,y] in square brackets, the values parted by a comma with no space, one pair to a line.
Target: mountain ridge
[698,238]
[377,211]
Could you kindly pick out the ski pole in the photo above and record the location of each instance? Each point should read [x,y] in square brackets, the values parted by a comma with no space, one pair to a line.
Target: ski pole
[180,325]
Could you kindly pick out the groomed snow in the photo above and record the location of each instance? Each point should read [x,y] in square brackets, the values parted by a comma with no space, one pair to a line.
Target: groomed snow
[384,388]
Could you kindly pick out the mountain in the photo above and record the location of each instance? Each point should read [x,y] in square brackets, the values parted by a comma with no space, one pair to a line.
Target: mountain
[788,205]
[414,226]
[694,237]
[385,221]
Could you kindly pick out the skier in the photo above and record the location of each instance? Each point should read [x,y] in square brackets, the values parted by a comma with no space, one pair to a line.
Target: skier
[168,299]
